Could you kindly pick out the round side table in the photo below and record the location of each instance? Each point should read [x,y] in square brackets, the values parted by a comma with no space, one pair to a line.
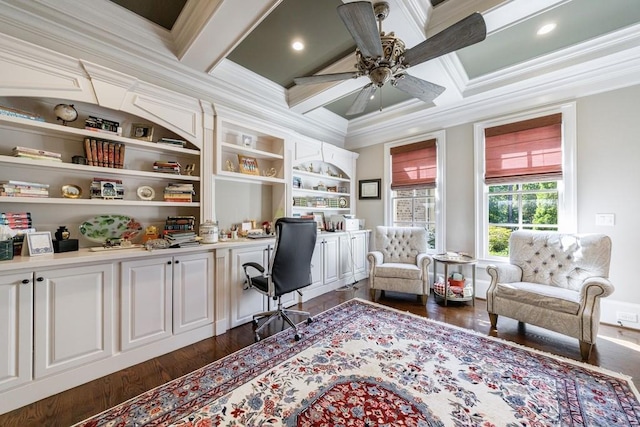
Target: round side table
[448,260]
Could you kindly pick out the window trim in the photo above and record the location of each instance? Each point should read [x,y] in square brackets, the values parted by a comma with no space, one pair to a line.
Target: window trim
[567,190]
[440,137]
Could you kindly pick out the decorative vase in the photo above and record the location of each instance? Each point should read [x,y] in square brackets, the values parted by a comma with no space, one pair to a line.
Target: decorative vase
[62,233]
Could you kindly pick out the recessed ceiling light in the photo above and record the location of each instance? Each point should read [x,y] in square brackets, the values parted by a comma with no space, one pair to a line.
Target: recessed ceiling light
[547,28]
[297,45]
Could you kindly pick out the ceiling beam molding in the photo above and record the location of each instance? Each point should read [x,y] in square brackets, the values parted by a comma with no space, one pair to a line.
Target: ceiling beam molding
[601,75]
[452,11]
[227,24]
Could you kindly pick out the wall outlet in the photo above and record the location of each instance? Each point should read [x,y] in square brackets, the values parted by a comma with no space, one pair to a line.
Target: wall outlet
[627,317]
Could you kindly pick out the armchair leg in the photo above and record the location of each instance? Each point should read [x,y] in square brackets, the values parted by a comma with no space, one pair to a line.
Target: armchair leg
[372,292]
[423,298]
[493,318]
[585,350]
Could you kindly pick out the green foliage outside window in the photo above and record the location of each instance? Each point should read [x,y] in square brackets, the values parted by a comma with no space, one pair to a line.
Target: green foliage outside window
[518,206]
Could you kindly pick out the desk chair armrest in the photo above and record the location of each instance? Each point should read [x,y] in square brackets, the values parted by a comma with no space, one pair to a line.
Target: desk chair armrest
[248,277]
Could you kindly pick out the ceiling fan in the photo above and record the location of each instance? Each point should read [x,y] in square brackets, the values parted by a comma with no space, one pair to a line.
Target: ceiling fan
[382,57]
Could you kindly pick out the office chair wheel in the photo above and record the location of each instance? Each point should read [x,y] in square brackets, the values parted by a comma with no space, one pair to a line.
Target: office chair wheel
[309,321]
[296,337]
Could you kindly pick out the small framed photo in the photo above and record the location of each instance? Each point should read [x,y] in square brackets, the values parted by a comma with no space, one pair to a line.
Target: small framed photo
[319,219]
[248,165]
[39,243]
[297,182]
[248,141]
[369,189]
[142,131]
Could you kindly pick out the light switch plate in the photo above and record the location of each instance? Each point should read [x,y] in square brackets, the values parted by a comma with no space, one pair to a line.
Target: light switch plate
[605,219]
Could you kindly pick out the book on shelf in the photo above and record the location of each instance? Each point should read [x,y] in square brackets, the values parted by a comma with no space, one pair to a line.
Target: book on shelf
[172,141]
[103,153]
[25,183]
[102,125]
[14,112]
[36,157]
[29,150]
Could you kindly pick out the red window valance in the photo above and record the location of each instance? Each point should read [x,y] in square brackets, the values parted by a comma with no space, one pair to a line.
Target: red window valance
[414,165]
[530,150]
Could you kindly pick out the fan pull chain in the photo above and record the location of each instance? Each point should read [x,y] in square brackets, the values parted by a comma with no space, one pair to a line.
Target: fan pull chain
[381,100]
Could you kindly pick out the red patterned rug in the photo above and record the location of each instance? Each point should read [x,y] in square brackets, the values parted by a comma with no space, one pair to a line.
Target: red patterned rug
[362,364]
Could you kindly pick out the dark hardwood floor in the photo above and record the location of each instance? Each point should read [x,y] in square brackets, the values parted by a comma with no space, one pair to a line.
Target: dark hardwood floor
[617,349]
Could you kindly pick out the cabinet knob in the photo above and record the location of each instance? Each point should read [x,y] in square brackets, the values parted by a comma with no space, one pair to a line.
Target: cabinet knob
[40,279]
[168,262]
[176,261]
[25,281]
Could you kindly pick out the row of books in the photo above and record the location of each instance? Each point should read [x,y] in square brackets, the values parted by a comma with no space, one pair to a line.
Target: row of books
[178,192]
[102,125]
[166,166]
[105,154]
[14,188]
[14,112]
[34,153]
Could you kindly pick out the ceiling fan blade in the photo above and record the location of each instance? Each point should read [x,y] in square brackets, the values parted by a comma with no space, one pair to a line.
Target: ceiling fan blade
[324,78]
[362,100]
[418,88]
[466,32]
[361,22]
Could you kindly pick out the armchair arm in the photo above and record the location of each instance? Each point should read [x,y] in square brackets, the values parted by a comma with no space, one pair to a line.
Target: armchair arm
[595,287]
[375,258]
[504,273]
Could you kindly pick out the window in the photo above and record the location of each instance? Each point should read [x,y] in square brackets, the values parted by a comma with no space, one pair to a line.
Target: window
[525,177]
[414,187]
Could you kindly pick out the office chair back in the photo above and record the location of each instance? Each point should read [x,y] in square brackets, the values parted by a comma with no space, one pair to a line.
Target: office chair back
[291,263]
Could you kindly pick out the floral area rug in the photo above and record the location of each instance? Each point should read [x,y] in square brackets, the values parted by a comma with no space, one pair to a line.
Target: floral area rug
[362,364]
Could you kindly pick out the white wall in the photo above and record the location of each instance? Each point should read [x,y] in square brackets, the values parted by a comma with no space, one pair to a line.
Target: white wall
[608,171]
[370,165]
[237,202]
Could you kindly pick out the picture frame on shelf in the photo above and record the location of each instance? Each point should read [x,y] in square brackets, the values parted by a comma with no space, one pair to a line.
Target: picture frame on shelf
[369,189]
[297,182]
[142,131]
[318,217]
[37,243]
[248,165]
[248,141]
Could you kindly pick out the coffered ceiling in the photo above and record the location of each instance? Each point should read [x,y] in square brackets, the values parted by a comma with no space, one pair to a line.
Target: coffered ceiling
[239,53]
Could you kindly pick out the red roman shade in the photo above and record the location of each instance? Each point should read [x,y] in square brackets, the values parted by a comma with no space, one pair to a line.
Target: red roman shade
[530,150]
[414,165]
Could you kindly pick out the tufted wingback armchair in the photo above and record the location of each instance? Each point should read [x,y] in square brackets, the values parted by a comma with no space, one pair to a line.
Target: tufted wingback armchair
[399,262]
[554,281]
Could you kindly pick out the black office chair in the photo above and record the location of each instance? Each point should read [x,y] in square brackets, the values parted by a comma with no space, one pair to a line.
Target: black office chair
[289,269]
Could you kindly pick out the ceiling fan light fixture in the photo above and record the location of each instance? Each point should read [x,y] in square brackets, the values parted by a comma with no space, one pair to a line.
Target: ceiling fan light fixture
[297,45]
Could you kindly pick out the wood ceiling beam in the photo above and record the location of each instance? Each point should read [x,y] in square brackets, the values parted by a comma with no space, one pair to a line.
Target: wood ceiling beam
[206,32]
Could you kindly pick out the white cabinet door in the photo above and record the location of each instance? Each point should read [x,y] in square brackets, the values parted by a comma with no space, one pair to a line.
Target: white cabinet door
[73,317]
[246,302]
[145,295]
[192,291]
[331,260]
[16,317]
[353,256]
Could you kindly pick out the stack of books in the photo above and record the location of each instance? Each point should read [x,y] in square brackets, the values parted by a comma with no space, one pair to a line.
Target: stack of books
[33,153]
[20,222]
[182,239]
[105,154]
[178,192]
[102,125]
[179,231]
[179,223]
[14,112]
[173,142]
[106,188]
[13,188]
[166,166]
